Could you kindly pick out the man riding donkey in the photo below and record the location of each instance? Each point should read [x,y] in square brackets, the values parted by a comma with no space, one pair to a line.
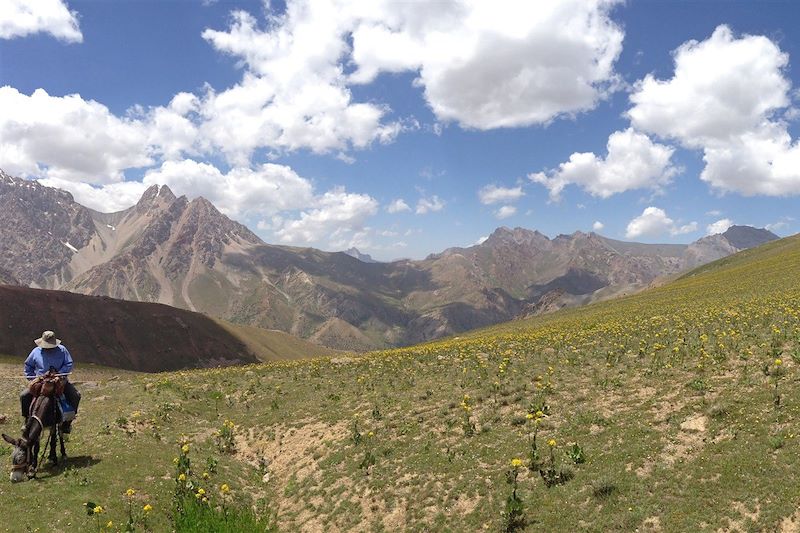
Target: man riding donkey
[50,356]
[47,401]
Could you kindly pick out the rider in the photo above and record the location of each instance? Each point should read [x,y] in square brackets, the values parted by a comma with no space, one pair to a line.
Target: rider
[50,355]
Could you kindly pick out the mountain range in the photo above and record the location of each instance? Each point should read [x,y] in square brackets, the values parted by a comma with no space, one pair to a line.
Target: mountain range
[187,254]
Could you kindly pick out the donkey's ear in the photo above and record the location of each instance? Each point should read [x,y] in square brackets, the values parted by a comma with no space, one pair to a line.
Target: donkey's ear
[9,440]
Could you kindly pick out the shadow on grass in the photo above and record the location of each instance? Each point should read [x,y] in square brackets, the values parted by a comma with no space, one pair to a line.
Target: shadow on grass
[66,465]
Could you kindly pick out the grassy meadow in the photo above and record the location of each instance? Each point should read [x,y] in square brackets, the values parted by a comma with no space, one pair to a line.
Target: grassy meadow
[672,410]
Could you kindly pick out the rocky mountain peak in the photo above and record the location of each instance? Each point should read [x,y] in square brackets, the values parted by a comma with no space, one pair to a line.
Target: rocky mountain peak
[156,195]
[517,236]
[364,258]
[743,237]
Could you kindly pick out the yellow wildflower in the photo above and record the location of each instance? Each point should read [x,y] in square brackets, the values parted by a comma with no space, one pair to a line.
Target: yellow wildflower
[182,477]
[551,442]
[516,463]
[185,448]
[224,489]
[130,492]
[147,508]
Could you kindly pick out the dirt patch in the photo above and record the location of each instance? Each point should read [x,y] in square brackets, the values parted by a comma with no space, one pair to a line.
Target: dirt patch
[790,524]
[686,444]
[652,525]
[746,520]
[286,453]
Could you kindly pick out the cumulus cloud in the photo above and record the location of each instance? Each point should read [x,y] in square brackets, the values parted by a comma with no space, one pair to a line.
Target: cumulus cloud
[263,191]
[107,198]
[654,222]
[19,18]
[505,212]
[483,66]
[720,226]
[427,205]
[337,215]
[493,194]
[72,139]
[397,206]
[633,161]
[597,226]
[294,92]
[726,98]
[499,64]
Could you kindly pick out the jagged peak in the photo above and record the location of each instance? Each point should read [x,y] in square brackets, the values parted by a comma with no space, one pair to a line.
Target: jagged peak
[156,192]
[518,235]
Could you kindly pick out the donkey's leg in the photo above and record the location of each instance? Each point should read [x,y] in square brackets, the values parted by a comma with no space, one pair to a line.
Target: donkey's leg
[34,461]
[53,436]
[61,440]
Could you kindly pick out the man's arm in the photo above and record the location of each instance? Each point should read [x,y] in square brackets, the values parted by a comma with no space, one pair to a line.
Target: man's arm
[66,368]
[30,365]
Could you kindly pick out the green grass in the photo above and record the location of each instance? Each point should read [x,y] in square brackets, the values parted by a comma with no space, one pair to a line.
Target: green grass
[670,393]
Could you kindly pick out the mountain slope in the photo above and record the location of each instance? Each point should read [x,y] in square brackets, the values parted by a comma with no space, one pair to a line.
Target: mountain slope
[187,254]
[134,335]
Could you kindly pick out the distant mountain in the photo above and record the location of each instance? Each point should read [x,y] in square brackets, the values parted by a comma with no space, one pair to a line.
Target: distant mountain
[185,253]
[134,335]
[364,258]
[743,237]
[734,239]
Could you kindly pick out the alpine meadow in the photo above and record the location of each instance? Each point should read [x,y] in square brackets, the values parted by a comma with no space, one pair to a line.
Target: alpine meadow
[618,415]
[388,266]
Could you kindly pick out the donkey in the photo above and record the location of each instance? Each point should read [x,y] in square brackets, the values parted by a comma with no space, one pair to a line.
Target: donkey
[44,413]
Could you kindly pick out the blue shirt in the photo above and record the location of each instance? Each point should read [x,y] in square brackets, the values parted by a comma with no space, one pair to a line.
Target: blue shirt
[41,359]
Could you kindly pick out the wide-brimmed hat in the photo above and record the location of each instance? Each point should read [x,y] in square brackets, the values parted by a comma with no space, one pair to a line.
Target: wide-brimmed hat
[47,340]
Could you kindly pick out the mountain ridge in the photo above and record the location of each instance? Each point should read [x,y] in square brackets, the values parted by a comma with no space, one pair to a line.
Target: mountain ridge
[171,250]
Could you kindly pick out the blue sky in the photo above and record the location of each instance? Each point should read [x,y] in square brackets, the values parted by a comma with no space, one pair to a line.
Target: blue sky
[404,129]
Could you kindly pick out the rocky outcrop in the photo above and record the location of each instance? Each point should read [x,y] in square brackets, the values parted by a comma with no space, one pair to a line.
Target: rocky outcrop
[43,228]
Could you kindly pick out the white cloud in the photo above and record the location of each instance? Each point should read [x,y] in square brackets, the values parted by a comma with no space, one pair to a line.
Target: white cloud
[714,213]
[725,98]
[336,215]
[720,226]
[427,205]
[294,93]
[598,226]
[484,66]
[68,138]
[505,212]
[71,139]
[107,198]
[397,206]
[494,64]
[492,194]
[775,226]
[263,191]
[19,18]
[633,161]
[481,240]
[654,222]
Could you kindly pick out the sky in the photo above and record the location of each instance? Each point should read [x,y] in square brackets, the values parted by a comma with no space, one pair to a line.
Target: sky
[404,128]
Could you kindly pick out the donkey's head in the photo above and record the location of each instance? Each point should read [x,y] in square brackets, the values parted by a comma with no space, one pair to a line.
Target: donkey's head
[19,458]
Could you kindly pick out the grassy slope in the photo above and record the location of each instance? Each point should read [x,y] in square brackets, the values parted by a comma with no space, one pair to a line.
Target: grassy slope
[664,390]
[273,345]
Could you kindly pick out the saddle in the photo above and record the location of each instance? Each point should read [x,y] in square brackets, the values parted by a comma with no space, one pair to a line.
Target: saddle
[52,386]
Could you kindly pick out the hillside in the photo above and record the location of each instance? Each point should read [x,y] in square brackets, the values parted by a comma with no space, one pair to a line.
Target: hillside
[682,401]
[187,254]
[136,336]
